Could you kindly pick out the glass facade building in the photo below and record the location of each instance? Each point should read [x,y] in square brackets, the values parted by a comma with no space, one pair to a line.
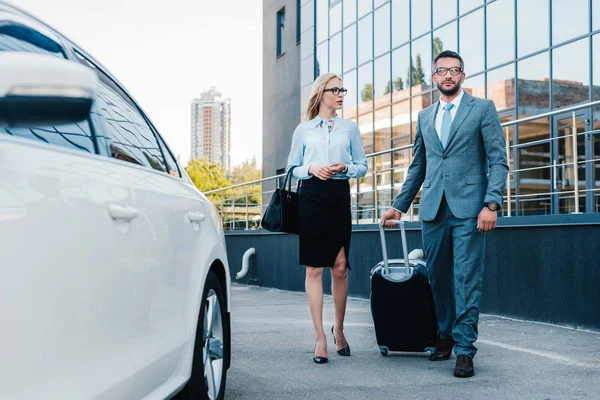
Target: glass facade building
[529,56]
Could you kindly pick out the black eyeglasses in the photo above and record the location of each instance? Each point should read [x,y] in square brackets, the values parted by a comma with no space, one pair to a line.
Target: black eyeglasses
[453,71]
[336,91]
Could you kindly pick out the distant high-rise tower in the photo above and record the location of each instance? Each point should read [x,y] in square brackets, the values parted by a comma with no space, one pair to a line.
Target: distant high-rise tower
[211,128]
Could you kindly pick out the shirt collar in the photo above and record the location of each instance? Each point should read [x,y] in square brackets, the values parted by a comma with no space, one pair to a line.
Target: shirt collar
[456,101]
[318,120]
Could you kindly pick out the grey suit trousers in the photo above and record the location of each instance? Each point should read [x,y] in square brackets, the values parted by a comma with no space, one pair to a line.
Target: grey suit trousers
[455,250]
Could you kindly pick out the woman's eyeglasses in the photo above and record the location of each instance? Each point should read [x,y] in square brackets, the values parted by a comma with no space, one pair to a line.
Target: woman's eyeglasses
[453,71]
[336,91]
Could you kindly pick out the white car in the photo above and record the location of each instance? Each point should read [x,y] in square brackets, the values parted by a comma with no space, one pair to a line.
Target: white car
[114,281]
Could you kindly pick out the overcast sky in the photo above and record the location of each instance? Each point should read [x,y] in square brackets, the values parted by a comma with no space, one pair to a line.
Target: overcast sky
[166,53]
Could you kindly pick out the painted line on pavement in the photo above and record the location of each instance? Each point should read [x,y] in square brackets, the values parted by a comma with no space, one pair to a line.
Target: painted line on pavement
[552,356]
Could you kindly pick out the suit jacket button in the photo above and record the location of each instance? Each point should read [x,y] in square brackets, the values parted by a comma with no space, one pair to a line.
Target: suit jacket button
[444,156]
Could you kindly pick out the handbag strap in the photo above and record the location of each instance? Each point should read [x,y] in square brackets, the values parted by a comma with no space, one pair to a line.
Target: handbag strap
[288,179]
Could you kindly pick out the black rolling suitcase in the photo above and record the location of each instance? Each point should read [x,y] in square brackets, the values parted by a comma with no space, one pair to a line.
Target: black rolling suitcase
[401,302]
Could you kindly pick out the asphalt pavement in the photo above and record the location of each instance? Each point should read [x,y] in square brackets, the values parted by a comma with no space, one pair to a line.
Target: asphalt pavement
[273,342]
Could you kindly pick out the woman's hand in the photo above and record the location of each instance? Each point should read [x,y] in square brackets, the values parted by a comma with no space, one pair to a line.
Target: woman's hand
[323,172]
[338,167]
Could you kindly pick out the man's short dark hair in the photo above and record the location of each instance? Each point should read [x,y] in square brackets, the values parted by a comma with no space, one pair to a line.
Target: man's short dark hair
[449,54]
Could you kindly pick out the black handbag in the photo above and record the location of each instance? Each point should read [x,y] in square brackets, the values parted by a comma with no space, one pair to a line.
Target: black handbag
[281,214]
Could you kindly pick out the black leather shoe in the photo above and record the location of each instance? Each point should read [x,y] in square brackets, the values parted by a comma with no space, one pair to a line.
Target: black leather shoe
[464,367]
[443,351]
[342,352]
[319,359]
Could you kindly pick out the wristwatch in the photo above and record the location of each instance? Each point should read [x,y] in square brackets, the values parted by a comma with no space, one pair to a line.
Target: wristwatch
[492,206]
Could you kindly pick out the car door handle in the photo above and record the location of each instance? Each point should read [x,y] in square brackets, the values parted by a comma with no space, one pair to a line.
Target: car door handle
[118,212]
[196,216]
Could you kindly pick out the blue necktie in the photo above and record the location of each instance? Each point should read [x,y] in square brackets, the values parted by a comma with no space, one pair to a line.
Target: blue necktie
[446,123]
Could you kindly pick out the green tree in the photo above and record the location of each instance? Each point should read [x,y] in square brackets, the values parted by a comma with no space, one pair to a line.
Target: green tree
[416,75]
[398,84]
[367,92]
[438,46]
[388,88]
[207,176]
[419,76]
[247,171]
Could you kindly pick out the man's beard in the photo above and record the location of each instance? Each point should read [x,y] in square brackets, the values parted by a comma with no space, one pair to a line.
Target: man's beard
[448,92]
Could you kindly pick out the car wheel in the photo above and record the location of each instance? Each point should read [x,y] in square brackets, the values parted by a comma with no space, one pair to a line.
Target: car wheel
[209,370]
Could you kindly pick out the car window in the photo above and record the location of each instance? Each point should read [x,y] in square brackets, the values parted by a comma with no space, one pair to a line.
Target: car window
[171,163]
[16,37]
[126,132]
[75,136]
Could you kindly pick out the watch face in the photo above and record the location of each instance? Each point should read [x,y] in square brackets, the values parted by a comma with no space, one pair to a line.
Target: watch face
[493,206]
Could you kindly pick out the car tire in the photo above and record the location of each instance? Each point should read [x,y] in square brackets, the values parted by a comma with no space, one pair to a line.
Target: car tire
[211,349]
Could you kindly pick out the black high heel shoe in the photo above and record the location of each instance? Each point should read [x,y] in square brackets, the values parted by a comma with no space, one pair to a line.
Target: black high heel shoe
[342,352]
[319,359]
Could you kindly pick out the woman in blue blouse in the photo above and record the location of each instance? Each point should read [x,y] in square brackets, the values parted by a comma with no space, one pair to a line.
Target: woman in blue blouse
[327,151]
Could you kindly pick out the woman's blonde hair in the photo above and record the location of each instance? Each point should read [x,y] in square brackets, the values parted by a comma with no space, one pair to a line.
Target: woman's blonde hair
[318,88]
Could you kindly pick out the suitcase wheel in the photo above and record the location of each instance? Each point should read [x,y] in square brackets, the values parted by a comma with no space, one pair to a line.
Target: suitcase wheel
[384,350]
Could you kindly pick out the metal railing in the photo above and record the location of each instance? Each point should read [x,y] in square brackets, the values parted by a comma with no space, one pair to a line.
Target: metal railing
[241,206]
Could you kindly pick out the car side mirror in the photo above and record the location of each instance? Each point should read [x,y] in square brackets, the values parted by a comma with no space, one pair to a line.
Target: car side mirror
[41,90]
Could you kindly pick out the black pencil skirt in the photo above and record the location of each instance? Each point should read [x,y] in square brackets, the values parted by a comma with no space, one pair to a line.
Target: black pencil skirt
[325,222]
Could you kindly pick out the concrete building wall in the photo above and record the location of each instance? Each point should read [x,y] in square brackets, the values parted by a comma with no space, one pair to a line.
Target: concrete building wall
[281,86]
[536,268]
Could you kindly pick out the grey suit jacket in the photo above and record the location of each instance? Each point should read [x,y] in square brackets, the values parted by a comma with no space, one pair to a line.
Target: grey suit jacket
[471,169]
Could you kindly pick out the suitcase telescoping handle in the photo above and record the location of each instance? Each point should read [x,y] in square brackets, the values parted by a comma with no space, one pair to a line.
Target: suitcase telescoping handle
[386,266]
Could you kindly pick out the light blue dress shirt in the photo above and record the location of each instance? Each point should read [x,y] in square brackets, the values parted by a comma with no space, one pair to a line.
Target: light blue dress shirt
[314,144]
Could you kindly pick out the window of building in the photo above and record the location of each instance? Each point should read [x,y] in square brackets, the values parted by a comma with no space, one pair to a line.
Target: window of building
[500,32]
[335,18]
[322,59]
[364,6]
[571,81]
[400,76]
[467,5]
[443,11]
[421,17]
[335,54]
[349,13]
[532,26]
[400,22]
[472,42]
[501,87]
[534,85]
[322,8]
[365,39]
[445,38]
[349,45]
[596,65]
[382,88]
[574,11]
[595,15]
[280,31]
[298,22]
[350,101]
[382,30]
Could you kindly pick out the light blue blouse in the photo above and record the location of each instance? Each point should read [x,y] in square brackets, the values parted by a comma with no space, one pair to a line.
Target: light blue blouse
[313,144]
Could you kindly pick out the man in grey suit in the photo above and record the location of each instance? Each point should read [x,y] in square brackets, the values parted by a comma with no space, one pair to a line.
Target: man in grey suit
[460,159]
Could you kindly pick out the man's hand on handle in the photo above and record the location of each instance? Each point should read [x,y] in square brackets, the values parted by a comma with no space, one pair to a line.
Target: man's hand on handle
[486,221]
[391,214]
